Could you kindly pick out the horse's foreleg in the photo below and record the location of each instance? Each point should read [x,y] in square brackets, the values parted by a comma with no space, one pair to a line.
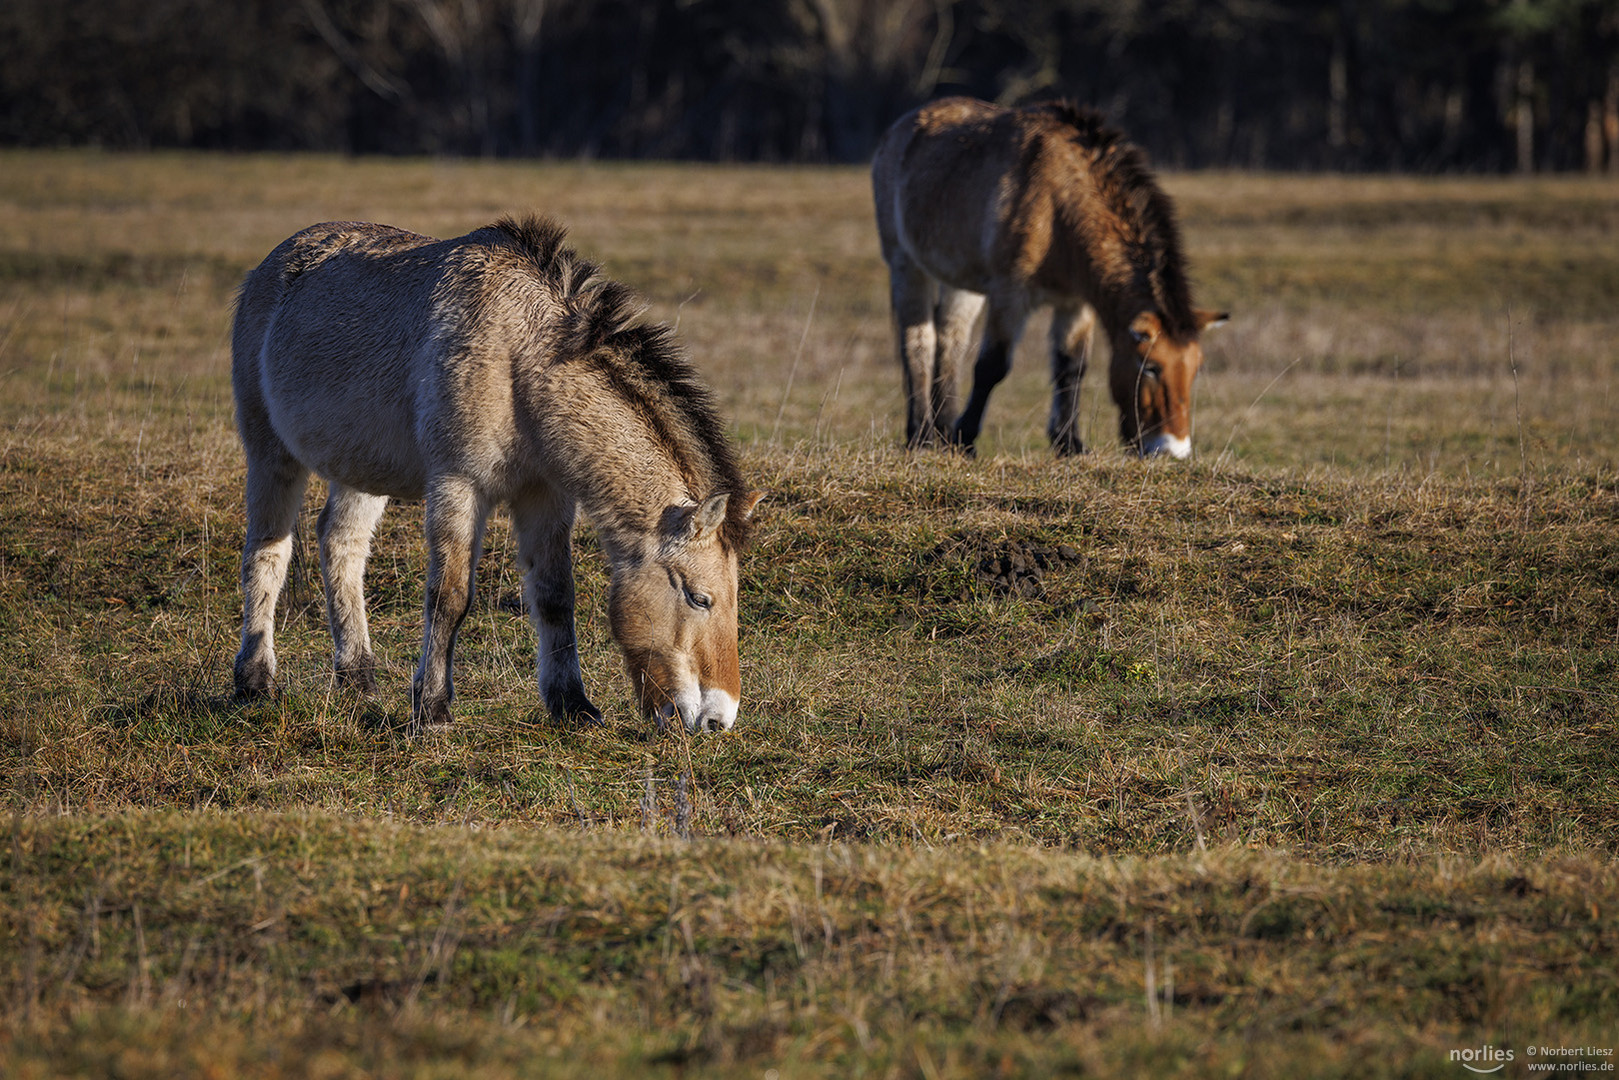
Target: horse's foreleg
[455,521]
[545,555]
[275,493]
[958,322]
[346,524]
[1072,332]
[912,291]
[994,362]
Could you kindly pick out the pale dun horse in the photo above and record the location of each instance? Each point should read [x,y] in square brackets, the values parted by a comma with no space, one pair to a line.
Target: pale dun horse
[989,212]
[493,368]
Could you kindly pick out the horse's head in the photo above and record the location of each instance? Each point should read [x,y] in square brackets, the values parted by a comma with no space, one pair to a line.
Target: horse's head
[1151,378]
[674,615]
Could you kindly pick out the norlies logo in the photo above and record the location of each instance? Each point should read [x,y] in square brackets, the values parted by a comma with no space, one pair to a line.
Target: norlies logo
[1482,1059]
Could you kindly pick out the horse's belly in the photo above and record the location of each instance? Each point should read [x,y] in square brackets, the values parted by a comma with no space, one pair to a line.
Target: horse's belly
[955,258]
[959,274]
[354,440]
[378,469]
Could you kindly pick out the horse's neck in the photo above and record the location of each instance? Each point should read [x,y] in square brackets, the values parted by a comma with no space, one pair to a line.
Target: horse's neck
[623,470]
[627,533]
[1118,294]
[594,449]
[1118,303]
[628,516]
[1113,285]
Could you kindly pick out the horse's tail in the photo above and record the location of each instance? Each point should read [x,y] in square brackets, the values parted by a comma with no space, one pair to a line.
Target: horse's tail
[257,298]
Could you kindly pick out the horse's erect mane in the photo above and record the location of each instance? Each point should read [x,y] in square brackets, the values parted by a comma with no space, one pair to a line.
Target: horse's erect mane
[1126,182]
[641,361]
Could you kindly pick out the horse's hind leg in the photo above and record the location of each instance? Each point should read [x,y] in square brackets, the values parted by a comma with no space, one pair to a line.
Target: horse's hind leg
[912,293]
[544,524]
[346,524]
[275,493]
[1072,332]
[1002,328]
[455,522]
[959,311]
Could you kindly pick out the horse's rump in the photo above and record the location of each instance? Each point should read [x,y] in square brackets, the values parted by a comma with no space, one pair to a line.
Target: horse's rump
[941,194]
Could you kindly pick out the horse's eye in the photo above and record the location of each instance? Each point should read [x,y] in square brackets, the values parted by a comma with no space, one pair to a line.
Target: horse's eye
[699,600]
[1151,371]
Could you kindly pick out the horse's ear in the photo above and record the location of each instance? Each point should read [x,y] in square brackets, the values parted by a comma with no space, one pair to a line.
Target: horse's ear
[708,516]
[744,508]
[1146,326]
[1206,319]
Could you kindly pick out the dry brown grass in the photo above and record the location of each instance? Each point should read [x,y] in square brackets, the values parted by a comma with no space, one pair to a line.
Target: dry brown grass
[369,947]
[1331,709]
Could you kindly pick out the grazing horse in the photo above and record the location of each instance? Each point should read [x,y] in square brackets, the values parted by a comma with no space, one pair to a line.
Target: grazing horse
[493,368]
[991,211]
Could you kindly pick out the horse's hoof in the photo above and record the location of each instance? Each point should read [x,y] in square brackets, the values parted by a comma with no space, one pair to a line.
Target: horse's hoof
[361,676]
[253,679]
[432,714]
[573,708]
[961,442]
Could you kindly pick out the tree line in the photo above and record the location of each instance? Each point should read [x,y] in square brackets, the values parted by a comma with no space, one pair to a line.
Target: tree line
[1412,85]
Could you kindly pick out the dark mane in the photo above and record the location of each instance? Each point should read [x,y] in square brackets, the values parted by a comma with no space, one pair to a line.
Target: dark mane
[642,362]
[1126,181]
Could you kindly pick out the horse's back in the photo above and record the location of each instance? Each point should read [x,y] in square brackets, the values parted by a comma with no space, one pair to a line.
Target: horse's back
[269,284]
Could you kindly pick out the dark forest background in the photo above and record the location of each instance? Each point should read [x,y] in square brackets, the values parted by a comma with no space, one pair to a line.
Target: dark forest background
[1416,85]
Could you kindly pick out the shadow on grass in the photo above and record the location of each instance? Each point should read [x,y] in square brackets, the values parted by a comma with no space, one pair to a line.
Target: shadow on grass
[189,714]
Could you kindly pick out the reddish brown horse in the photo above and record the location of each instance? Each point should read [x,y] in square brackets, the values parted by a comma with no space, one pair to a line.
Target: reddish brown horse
[995,211]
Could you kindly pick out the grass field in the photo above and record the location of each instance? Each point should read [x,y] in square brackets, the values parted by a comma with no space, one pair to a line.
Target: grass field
[1300,758]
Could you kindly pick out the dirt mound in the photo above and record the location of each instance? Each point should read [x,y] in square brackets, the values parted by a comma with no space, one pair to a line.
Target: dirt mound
[1007,567]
